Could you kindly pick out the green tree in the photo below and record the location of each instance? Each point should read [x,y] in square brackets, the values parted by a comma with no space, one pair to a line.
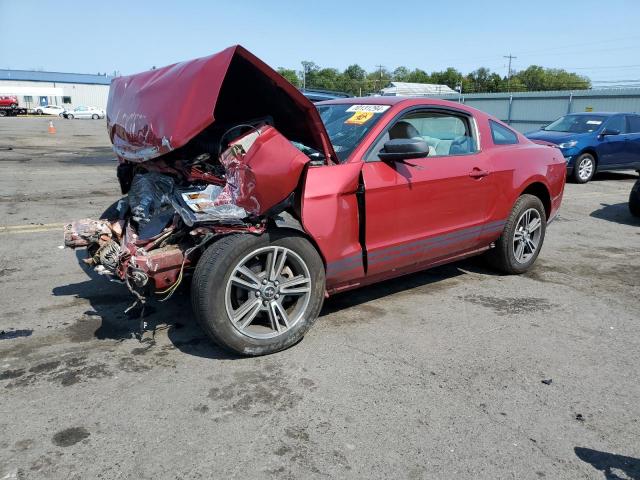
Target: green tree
[450,77]
[326,79]
[401,74]
[290,75]
[418,76]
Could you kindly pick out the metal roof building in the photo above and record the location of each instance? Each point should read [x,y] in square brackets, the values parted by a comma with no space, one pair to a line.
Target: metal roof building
[527,111]
[35,88]
[407,89]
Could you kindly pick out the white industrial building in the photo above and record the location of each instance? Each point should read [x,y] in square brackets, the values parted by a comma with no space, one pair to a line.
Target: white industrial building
[408,89]
[55,88]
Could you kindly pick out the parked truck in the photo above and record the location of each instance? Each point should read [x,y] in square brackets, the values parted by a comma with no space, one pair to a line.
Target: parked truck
[9,106]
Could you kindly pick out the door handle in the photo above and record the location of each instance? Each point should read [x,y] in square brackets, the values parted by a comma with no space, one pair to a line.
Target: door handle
[478,173]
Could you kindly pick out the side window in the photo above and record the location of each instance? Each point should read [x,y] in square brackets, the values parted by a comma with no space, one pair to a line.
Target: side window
[633,124]
[617,123]
[445,133]
[502,135]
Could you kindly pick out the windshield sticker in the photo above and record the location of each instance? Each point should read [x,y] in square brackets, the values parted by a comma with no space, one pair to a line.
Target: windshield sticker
[594,122]
[359,118]
[368,108]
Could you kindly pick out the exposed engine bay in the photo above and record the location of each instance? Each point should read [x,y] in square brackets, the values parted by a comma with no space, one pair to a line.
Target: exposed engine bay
[176,204]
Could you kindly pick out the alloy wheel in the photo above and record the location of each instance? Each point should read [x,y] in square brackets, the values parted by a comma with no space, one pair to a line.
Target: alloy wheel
[526,237]
[585,168]
[268,292]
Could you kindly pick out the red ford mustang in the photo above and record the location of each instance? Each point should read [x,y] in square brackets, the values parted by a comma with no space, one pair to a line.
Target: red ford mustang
[272,203]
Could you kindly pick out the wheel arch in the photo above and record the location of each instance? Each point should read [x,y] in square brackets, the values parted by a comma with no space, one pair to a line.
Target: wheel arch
[285,221]
[591,151]
[540,190]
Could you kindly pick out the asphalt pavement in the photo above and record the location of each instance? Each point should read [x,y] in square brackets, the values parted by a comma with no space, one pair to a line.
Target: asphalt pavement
[435,375]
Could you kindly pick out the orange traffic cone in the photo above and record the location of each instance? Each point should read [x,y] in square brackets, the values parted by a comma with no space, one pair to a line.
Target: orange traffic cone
[52,129]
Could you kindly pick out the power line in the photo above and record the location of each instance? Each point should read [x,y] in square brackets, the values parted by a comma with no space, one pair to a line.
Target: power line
[510,57]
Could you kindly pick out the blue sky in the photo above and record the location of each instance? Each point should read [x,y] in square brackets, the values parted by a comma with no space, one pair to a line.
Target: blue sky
[598,38]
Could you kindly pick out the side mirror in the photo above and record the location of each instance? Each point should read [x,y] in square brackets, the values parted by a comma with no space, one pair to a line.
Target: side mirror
[609,131]
[402,149]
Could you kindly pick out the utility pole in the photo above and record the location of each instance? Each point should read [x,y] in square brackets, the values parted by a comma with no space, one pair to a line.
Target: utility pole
[304,76]
[380,67]
[510,57]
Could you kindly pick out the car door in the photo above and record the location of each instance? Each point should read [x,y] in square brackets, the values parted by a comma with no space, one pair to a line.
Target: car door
[612,149]
[632,140]
[423,209]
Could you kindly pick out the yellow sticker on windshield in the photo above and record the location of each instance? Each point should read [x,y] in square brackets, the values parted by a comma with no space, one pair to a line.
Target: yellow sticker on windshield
[359,118]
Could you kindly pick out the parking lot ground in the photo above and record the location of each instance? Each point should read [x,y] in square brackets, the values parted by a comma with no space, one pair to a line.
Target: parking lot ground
[434,375]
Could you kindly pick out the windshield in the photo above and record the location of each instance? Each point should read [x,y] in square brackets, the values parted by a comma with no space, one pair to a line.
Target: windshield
[347,124]
[576,124]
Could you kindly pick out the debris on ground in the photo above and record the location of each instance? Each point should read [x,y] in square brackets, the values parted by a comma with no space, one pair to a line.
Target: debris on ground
[10,334]
[547,381]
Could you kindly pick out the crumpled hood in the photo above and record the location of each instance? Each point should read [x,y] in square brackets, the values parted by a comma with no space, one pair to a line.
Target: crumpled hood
[152,113]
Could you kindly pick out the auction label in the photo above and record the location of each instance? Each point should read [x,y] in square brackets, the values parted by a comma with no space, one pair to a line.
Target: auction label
[368,108]
[359,118]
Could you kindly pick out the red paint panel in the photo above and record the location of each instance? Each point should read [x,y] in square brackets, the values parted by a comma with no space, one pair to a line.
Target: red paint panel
[255,181]
[330,216]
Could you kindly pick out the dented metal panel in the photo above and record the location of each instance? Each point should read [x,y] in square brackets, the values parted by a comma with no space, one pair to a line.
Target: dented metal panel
[330,215]
[153,113]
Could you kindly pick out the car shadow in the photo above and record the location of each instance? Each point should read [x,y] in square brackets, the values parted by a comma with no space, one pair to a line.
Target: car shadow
[107,320]
[617,175]
[355,297]
[612,465]
[617,213]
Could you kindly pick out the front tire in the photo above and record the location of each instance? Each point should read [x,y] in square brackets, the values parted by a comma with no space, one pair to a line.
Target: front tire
[585,168]
[94,117]
[256,295]
[519,245]
[69,116]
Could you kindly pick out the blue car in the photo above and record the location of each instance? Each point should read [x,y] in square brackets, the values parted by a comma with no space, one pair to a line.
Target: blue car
[594,142]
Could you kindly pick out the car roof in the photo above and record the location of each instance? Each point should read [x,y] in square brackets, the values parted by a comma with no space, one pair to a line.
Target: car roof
[602,114]
[404,102]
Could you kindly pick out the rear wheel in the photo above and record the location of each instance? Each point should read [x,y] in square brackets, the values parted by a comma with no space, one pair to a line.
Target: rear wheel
[519,245]
[585,168]
[69,116]
[95,117]
[258,295]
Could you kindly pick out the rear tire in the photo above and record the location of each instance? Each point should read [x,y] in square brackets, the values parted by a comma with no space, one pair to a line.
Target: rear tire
[278,316]
[95,117]
[584,168]
[634,199]
[69,116]
[525,227]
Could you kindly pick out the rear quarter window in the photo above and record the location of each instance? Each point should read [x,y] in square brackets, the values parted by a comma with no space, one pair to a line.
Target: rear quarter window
[502,135]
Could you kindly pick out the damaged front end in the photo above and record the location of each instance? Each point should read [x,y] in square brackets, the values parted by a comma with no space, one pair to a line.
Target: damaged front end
[156,232]
[192,171]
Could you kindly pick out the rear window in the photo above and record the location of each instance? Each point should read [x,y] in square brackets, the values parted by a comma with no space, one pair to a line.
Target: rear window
[502,135]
